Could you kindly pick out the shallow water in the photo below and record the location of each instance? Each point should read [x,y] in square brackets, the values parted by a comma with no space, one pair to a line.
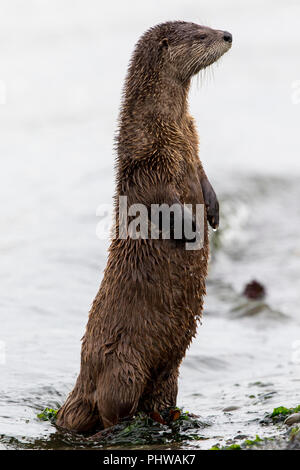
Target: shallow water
[63,88]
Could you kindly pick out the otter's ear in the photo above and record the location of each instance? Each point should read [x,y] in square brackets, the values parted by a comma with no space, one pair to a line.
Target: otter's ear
[164,43]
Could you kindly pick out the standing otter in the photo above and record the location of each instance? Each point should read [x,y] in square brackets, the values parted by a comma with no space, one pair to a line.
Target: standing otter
[151,296]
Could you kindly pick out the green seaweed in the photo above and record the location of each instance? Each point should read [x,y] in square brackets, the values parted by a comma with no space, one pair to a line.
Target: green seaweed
[283,411]
[48,414]
[295,431]
[231,447]
[142,430]
[243,445]
[249,442]
[279,414]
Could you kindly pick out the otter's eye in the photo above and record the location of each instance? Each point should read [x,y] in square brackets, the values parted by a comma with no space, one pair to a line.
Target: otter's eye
[202,37]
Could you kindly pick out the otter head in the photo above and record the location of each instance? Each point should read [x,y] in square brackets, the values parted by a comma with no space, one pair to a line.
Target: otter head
[186,48]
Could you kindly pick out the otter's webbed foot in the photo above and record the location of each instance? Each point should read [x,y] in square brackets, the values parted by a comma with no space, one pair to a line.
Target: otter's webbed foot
[211,203]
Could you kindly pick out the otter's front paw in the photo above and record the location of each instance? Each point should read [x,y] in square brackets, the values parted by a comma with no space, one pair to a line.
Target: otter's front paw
[211,204]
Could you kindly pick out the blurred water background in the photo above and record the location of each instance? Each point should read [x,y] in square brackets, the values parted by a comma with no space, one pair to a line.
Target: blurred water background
[62,65]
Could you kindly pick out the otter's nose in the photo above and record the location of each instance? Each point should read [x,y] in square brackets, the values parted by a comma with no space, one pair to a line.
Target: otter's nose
[227,36]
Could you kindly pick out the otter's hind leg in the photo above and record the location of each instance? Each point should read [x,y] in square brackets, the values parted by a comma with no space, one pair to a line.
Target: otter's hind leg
[77,414]
[118,394]
[161,393]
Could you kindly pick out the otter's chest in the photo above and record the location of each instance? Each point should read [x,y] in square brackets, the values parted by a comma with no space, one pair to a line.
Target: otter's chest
[190,187]
[188,181]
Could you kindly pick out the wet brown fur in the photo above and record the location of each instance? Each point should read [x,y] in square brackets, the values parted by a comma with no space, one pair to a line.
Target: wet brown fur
[146,311]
